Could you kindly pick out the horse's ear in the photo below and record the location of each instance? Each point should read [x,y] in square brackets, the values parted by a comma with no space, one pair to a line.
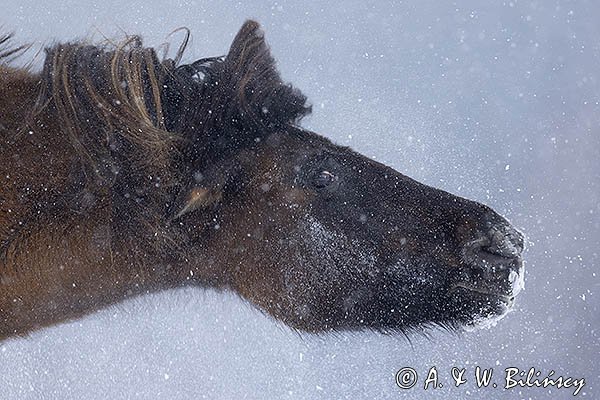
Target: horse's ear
[260,94]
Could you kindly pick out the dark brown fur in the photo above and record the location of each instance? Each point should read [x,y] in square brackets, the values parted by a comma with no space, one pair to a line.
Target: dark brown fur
[123,174]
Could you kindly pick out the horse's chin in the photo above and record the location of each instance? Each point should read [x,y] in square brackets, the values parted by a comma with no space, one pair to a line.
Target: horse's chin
[489,320]
[487,308]
[483,297]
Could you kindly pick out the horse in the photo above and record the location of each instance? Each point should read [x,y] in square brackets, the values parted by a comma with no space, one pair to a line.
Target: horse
[123,173]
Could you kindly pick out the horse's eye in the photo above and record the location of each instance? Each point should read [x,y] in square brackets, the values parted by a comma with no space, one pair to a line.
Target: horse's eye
[325,178]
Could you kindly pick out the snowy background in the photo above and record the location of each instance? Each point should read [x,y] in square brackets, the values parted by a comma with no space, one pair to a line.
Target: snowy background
[494,101]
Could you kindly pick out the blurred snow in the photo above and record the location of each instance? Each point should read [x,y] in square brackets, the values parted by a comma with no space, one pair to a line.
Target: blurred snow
[450,94]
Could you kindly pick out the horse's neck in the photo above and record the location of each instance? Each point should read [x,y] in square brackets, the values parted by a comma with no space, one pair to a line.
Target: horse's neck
[62,266]
[21,172]
[62,253]
[59,259]
[18,92]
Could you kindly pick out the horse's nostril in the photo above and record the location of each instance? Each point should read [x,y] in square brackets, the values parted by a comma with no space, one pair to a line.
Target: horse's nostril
[504,241]
[499,237]
[498,249]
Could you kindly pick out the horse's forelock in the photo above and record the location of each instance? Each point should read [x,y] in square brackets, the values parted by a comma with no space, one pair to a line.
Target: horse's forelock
[242,90]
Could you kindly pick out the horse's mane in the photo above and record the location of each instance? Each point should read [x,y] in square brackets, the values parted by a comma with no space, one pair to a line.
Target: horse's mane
[136,122]
[108,101]
[121,99]
[8,51]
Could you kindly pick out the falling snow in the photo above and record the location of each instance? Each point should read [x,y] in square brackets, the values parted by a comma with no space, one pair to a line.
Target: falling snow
[498,102]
